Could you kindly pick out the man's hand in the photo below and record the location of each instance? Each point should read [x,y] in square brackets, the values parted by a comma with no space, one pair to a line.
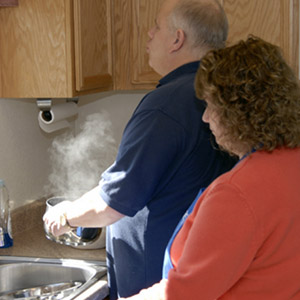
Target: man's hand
[55,219]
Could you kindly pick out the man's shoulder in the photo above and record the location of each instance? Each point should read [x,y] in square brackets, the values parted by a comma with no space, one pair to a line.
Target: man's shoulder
[172,93]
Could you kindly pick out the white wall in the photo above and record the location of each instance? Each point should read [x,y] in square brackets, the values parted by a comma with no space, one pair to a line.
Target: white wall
[23,148]
[24,161]
[119,106]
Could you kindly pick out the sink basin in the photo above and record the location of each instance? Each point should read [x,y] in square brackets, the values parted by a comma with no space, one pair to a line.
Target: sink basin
[37,278]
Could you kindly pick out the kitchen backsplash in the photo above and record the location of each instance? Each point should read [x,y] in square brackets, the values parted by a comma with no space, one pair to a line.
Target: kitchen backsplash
[24,151]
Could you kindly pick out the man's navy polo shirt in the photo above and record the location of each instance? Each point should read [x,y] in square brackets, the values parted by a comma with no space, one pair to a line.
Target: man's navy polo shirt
[164,158]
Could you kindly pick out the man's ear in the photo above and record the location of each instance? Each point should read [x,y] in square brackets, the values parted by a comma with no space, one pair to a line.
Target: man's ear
[178,40]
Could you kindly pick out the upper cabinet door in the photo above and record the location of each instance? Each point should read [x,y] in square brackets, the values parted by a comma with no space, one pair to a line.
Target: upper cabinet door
[133,19]
[55,49]
[93,48]
[34,49]
[275,21]
[144,14]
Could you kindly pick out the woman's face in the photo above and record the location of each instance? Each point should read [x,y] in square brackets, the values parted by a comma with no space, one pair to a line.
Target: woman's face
[211,117]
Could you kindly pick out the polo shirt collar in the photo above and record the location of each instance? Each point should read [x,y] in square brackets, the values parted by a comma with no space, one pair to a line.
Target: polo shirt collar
[191,67]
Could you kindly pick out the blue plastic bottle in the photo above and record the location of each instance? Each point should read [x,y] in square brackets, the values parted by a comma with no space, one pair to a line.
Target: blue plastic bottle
[6,239]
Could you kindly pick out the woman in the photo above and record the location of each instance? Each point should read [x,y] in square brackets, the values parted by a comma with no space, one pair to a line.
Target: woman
[242,239]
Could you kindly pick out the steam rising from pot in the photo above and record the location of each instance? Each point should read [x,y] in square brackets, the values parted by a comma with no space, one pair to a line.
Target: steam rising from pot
[78,161]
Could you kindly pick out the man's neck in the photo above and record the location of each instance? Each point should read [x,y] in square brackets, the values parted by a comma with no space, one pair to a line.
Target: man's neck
[183,58]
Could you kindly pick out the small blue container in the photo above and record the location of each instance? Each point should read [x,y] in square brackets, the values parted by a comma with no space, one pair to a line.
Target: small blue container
[5,225]
[5,239]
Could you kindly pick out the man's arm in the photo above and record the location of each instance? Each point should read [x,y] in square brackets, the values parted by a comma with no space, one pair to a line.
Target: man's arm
[88,211]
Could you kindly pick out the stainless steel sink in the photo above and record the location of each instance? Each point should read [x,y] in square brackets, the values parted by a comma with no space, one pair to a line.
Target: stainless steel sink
[39,278]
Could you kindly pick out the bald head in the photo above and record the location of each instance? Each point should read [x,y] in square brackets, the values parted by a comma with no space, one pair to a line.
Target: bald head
[203,21]
[184,31]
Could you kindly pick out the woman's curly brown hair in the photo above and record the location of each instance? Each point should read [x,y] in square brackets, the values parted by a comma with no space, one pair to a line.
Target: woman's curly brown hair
[255,93]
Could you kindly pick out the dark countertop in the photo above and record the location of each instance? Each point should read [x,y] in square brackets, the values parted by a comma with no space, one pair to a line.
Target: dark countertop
[30,241]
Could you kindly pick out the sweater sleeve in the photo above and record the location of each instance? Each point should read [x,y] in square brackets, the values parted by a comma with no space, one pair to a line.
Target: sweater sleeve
[215,246]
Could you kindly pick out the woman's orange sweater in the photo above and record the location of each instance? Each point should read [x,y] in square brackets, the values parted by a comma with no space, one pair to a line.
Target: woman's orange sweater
[242,241]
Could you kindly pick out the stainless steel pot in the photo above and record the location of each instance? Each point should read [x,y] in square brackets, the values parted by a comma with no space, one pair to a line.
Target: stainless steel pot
[80,237]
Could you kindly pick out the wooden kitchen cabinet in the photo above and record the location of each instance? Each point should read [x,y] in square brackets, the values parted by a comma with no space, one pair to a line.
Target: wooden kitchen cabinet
[65,48]
[132,20]
[55,49]
[276,21]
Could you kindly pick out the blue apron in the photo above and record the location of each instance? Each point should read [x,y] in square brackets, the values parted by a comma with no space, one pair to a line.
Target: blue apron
[167,264]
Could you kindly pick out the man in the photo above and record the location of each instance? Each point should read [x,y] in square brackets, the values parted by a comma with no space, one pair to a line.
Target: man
[165,155]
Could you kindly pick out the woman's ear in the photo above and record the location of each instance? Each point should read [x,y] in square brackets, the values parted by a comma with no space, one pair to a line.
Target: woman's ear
[178,40]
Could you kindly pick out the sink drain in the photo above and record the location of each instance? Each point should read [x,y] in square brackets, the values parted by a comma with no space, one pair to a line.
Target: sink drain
[47,292]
